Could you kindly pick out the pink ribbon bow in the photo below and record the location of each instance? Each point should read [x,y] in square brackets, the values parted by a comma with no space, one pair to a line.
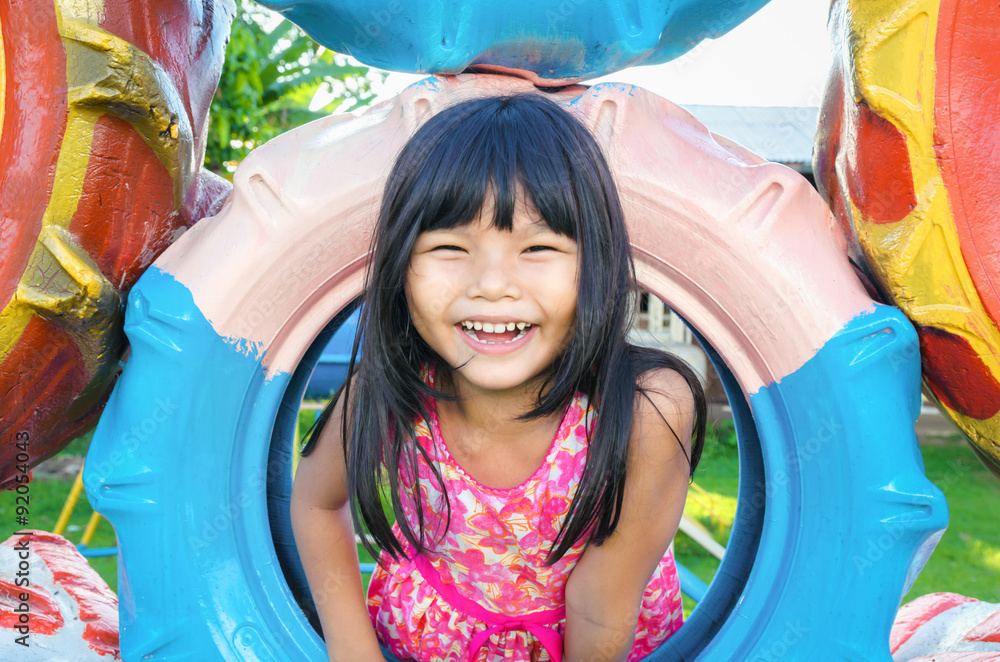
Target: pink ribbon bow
[539,623]
[550,639]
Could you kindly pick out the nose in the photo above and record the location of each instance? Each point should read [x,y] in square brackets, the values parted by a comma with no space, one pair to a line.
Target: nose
[495,278]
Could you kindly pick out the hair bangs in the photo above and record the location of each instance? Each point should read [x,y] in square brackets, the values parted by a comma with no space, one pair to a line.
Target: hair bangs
[547,177]
[491,157]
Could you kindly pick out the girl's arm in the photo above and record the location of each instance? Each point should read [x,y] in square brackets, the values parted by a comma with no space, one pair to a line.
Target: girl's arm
[604,591]
[324,536]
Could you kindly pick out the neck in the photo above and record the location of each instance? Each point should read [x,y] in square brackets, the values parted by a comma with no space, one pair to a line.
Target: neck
[494,414]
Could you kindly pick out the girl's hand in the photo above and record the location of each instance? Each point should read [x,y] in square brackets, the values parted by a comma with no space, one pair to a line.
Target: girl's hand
[604,591]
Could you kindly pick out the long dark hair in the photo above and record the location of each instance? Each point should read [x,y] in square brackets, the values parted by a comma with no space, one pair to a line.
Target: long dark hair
[441,178]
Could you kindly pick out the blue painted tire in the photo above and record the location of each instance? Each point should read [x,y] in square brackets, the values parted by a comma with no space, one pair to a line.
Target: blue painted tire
[190,460]
[558,42]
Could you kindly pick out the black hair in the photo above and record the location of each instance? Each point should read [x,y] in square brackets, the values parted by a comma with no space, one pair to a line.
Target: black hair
[475,149]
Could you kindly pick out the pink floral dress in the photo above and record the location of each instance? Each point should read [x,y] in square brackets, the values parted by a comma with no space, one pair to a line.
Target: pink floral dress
[486,594]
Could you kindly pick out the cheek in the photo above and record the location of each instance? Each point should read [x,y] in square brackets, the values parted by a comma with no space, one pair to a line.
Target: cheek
[434,285]
[563,289]
[419,313]
[427,296]
[414,297]
[420,316]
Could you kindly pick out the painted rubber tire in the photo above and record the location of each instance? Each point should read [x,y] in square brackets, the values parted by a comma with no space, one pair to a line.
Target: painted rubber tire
[835,514]
[928,627]
[550,43]
[904,162]
[88,92]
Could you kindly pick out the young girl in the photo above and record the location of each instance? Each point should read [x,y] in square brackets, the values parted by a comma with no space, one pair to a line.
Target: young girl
[536,462]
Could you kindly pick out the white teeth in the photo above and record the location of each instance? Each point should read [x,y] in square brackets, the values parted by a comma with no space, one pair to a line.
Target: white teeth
[472,334]
[499,327]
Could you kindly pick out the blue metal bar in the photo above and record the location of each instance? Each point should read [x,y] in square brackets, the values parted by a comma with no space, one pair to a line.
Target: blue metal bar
[96,551]
[691,586]
[336,359]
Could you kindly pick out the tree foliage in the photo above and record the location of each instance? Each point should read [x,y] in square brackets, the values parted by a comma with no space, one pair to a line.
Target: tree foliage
[272,73]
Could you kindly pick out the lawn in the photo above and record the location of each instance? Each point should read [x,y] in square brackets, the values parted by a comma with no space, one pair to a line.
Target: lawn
[967,559]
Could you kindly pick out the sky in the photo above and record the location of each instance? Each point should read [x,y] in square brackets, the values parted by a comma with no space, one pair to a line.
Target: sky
[780,56]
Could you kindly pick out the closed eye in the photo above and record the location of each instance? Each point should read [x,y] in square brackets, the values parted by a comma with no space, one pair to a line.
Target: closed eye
[447,247]
[536,249]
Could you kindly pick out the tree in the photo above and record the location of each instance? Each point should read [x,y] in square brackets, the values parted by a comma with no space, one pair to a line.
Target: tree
[272,74]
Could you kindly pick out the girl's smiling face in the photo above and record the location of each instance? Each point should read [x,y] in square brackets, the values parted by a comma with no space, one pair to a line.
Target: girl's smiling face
[517,291]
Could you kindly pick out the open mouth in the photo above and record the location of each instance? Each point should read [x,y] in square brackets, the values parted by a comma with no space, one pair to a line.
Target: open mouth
[495,333]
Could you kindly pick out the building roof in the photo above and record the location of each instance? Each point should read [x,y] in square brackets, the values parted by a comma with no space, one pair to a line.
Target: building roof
[776,133]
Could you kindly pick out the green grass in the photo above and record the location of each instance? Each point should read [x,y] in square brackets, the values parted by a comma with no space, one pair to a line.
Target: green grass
[718,474]
[967,559]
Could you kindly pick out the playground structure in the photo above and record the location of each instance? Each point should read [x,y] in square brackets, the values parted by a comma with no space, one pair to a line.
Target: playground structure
[92,94]
[908,170]
[247,292]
